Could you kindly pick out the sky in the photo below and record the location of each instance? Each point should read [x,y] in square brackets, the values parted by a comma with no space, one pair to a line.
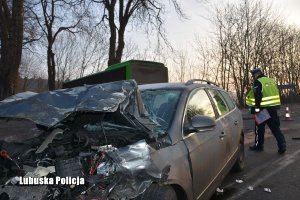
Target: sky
[182,32]
[289,9]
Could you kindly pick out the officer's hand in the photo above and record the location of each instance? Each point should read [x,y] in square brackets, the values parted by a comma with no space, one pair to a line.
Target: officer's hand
[257,110]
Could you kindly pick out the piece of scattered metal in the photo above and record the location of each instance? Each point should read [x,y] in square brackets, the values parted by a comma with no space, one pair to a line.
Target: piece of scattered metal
[219,191]
[267,190]
[239,181]
[250,188]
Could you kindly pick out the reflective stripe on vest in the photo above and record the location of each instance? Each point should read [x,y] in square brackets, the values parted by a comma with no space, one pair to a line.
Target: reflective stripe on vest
[270,93]
[250,101]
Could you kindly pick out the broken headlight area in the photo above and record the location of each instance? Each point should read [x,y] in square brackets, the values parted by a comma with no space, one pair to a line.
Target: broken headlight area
[88,156]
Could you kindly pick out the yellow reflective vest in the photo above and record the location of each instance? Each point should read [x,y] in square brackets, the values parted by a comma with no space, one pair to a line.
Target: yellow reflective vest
[270,94]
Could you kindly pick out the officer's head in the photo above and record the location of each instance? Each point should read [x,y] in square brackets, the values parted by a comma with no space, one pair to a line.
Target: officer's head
[256,72]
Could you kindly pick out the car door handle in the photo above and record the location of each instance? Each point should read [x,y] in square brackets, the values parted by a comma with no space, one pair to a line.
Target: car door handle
[236,122]
[222,135]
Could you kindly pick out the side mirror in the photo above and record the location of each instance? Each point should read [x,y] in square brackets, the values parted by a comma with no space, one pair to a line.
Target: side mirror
[200,123]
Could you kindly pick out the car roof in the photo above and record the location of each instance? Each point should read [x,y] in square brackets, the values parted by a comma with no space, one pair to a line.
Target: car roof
[191,84]
[162,86]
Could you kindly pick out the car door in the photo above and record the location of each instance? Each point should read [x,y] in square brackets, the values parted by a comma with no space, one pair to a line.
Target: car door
[228,119]
[206,147]
[235,120]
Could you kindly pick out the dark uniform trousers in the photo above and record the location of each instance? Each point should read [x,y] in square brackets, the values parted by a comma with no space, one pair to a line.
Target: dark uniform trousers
[274,124]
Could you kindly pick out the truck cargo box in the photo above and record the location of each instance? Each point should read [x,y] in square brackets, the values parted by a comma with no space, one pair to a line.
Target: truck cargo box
[143,72]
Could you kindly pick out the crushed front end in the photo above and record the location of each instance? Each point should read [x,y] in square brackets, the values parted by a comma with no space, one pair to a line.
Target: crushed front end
[93,142]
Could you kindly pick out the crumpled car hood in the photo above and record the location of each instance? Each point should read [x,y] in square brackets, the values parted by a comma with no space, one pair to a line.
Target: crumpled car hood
[98,133]
[50,108]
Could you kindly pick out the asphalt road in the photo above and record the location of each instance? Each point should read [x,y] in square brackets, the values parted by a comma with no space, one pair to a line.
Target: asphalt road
[267,170]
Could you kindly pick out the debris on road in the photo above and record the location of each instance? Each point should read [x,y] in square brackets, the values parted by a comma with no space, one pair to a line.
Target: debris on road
[250,188]
[267,190]
[239,181]
[219,191]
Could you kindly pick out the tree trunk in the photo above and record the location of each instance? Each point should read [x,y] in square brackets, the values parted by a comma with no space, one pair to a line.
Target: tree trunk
[9,81]
[51,69]
[121,43]
[113,35]
[11,25]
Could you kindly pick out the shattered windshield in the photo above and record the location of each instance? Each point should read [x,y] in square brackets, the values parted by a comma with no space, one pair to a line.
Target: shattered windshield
[161,105]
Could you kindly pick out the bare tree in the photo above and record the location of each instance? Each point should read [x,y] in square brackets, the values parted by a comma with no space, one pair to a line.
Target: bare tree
[130,49]
[30,68]
[55,17]
[66,58]
[206,58]
[80,54]
[119,13]
[243,35]
[180,59]
[11,33]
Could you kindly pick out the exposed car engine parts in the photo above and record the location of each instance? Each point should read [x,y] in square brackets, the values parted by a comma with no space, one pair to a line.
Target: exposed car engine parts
[113,170]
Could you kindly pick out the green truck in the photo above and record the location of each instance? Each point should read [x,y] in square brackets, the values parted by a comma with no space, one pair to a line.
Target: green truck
[143,72]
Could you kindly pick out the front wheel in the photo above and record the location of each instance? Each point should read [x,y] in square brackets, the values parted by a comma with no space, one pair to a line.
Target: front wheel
[239,163]
[157,192]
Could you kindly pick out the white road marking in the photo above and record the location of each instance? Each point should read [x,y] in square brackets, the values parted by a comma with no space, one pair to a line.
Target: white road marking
[283,162]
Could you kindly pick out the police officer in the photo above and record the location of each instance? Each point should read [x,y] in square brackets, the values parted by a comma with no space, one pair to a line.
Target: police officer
[265,95]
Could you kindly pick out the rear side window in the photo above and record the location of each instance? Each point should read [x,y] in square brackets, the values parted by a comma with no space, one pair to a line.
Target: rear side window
[219,101]
[228,100]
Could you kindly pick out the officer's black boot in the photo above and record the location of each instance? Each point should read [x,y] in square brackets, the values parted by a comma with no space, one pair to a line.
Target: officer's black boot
[256,148]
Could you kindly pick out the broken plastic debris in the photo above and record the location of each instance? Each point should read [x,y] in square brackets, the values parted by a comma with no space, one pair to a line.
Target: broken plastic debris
[51,169]
[41,171]
[13,180]
[239,181]
[38,172]
[220,190]
[250,188]
[267,190]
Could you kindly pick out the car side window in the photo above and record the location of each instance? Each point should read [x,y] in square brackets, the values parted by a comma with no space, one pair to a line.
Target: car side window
[219,101]
[229,100]
[198,104]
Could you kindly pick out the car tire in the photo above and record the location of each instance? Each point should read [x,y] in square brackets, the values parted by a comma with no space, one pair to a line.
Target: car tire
[157,192]
[239,163]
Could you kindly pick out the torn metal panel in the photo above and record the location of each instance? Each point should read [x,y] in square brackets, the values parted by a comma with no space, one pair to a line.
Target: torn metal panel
[19,96]
[130,188]
[133,164]
[132,158]
[51,107]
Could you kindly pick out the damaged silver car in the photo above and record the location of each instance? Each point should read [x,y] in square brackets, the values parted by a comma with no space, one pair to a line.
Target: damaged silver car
[120,141]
